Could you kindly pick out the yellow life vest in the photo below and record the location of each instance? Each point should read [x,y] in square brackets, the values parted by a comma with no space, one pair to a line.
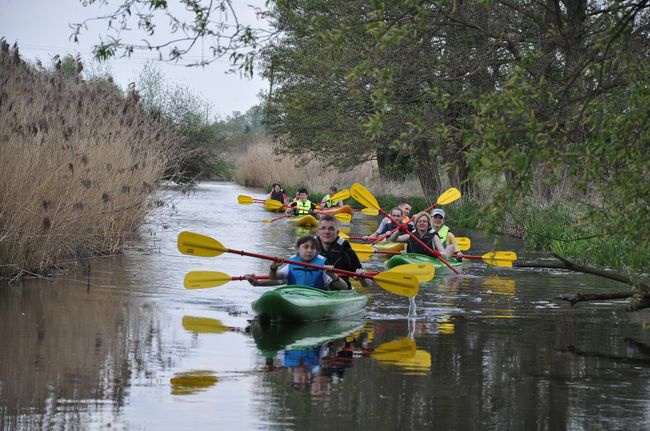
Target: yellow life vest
[303,208]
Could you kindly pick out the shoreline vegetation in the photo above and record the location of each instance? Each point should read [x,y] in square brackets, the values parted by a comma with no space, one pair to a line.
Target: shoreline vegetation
[80,165]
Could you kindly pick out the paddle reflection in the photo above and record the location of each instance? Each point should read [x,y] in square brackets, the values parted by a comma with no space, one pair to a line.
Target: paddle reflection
[191,382]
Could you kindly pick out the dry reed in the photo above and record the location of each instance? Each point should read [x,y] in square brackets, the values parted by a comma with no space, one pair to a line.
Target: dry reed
[257,166]
[79,164]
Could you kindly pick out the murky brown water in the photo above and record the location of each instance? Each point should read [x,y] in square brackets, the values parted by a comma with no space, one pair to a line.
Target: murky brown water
[121,344]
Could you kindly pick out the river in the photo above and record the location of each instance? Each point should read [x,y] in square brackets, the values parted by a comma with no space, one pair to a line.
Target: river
[119,343]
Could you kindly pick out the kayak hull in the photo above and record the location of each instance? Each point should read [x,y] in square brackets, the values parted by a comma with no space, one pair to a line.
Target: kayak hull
[307,220]
[303,304]
[345,209]
[406,258]
[389,246]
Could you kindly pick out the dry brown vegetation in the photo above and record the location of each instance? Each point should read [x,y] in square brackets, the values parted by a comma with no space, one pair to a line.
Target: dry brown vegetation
[257,166]
[79,162]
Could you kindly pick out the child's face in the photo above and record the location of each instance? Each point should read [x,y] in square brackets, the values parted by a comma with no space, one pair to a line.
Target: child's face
[302,196]
[307,251]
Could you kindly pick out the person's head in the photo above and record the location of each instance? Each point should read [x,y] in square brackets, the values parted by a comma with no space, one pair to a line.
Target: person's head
[406,208]
[328,229]
[302,194]
[422,222]
[396,213]
[438,216]
[306,248]
[277,187]
[333,190]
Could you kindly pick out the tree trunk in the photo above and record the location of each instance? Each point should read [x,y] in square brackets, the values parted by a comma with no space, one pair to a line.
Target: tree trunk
[428,172]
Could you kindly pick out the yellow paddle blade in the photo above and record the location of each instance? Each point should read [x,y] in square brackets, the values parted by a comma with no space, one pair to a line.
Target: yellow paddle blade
[192,381]
[399,284]
[500,258]
[272,204]
[196,244]
[361,248]
[244,200]
[205,279]
[370,211]
[344,235]
[422,271]
[363,196]
[397,349]
[448,196]
[340,196]
[463,242]
[204,325]
[345,218]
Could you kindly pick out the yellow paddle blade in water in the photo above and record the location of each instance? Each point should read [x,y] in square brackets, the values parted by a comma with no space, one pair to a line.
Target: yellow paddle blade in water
[464,243]
[272,204]
[196,244]
[204,325]
[192,381]
[448,196]
[397,283]
[205,279]
[345,218]
[360,194]
[500,258]
[244,200]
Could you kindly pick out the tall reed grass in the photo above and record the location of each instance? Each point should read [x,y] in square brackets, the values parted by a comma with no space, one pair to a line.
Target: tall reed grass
[258,166]
[79,162]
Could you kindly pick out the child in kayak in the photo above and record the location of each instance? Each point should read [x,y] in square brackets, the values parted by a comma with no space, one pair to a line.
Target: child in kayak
[302,206]
[326,203]
[307,252]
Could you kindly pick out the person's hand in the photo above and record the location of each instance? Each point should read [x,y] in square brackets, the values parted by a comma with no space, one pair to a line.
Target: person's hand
[276,264]
[251,279]
[365,237]
[360,271]
[403,227]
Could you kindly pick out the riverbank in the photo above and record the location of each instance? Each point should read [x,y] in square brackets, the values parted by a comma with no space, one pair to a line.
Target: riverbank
[79,165]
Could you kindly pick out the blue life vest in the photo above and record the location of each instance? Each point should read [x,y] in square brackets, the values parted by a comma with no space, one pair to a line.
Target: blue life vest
[304,276]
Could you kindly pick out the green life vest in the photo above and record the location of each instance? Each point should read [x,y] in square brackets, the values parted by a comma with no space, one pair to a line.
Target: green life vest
[303,208]
[442,233]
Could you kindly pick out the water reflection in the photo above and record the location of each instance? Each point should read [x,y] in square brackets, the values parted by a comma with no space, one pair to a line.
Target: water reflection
[192,382]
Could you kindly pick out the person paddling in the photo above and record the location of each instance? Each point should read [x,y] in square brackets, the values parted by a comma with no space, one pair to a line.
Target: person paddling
[397,214]
[425,232]
[307,252]
[302,206]
[278,194]
[336,250]
[405,208]
[446,237]
[326,203]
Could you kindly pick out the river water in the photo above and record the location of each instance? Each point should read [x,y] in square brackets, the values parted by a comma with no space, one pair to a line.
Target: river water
[119,343]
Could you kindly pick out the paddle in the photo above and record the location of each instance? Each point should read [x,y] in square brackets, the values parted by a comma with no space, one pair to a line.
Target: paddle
[448,196]
[204,325]
[208,279]
[200,245]
[345,218]
[365,198]
[271,204]
[463,244]
[340,196]
[496,258]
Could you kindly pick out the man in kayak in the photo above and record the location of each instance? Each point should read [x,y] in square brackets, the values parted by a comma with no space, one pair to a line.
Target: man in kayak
[326,203]
[306,252]
[424,232]
[383,228]
[278,194]
[302,206]
[446,237]
[336,250]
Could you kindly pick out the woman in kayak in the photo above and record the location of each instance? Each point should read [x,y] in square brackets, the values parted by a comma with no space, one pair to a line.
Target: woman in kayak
[424,232]
[307,252]
[278,194]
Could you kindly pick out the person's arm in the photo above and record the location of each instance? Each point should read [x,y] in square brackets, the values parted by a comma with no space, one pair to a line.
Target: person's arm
[332,280]
[396,237]
[276,277]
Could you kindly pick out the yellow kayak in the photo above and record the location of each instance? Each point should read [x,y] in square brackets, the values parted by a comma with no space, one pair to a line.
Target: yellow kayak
[389,246]
[304,220]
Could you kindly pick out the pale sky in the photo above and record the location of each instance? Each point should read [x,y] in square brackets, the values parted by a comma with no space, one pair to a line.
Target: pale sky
[41,29]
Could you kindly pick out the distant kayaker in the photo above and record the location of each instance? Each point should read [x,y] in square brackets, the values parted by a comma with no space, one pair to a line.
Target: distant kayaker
[306,252]
[336,250]
[302,206]
[446,237]
[278,194]
[425,232]
[386,226]
[326,203]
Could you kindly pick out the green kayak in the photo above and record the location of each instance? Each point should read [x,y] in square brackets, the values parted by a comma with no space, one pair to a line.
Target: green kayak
[270,339]
[302,303]
[406,258]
